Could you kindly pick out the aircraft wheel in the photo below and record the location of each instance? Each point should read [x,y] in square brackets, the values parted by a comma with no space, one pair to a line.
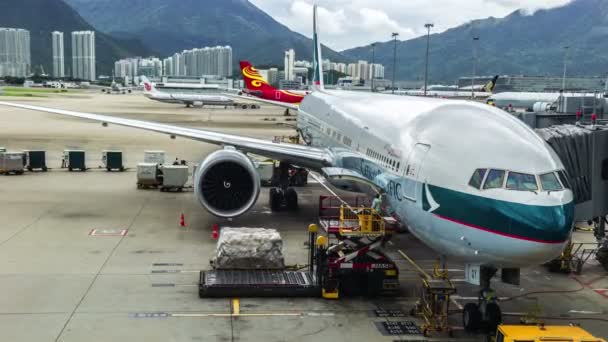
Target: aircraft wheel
[291,197]
[275,199]
[471,317]
[493,316]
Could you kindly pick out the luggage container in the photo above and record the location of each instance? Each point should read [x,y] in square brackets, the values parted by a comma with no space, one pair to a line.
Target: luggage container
[157,157]
[11,162]
[74,160]
[35,160]
[174,177]
[112,160]
[148,176]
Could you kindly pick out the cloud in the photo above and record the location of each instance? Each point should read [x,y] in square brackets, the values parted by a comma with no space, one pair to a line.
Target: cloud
[349,23]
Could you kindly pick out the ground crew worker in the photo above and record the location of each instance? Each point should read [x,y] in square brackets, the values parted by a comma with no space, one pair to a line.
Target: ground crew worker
[377,203]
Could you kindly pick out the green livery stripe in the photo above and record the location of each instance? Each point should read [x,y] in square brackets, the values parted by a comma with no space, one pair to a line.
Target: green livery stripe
[544,224]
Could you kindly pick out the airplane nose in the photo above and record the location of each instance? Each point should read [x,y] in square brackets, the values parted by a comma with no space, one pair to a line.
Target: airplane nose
[544,224]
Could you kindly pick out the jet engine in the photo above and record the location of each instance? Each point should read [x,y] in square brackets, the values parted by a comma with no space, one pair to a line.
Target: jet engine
[227,183]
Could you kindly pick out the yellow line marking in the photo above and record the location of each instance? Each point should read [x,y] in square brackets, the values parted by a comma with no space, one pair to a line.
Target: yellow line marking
[236,307]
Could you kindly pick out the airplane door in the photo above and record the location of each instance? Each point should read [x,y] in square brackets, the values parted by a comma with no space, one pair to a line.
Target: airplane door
[277,95]
[412,170]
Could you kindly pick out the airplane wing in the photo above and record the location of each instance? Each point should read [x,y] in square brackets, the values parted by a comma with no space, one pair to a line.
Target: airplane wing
[257,99]
[306,156]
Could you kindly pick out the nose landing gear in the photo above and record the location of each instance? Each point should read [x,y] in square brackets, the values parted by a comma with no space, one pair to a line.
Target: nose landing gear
[485,315]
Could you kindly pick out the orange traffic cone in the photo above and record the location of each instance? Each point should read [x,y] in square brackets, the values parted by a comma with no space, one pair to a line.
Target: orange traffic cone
[182,220]
[215,233]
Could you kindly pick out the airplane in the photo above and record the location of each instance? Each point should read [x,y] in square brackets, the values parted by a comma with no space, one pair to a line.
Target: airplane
[526,100]
[117,88]
[189,100]
[258,89]
[470,181]
[449,92]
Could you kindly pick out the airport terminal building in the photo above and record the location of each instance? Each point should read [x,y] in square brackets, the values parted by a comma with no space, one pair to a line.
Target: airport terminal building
[15,55]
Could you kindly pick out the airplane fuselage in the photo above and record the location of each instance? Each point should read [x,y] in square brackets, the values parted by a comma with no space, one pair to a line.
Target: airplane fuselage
[190,99]
[423,153]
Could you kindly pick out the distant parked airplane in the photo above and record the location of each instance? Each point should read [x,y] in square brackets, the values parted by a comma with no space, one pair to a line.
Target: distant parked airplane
[188,99]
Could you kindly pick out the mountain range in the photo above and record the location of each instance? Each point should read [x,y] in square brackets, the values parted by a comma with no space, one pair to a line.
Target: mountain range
[170,26]
[518,44]
[41,17]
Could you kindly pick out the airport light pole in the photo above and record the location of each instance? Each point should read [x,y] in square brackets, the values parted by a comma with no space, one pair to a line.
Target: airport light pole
[394,35]
[566,48]
[426,65]
[475,40]
[373,61]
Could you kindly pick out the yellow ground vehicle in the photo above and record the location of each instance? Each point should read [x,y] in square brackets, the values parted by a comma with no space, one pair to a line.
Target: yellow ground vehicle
[538,333]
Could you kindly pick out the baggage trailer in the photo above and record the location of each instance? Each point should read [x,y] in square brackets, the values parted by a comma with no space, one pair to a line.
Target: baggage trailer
[35,160]
[74,160]
[11,163]
[112,160]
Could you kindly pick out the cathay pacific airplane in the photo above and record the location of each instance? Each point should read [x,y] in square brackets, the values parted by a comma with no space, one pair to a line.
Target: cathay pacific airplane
[469,180]
[189,100]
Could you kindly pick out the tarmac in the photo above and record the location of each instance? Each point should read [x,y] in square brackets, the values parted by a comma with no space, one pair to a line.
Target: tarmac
[87,256]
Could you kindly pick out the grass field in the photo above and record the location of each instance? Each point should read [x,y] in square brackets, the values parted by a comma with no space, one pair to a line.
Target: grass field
[30,92]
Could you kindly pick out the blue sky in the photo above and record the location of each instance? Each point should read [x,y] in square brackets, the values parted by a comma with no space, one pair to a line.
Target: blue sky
[350,23]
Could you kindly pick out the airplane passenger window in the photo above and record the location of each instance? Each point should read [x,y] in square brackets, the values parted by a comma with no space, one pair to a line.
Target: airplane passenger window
[549,182]
[495,179]
[477,178]
[521,181]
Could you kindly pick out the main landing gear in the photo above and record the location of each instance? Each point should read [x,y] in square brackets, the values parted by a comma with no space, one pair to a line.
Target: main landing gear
[485,315]
[283,196]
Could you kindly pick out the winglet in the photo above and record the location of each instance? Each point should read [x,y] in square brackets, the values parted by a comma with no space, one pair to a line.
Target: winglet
[318,58]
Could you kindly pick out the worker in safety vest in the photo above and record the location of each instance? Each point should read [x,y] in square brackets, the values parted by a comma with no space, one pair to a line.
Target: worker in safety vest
[377,203]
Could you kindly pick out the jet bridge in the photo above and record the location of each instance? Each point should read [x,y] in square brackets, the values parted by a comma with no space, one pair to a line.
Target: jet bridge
[584,151]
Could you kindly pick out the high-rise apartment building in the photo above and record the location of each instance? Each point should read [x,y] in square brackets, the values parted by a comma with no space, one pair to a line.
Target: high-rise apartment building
[58,55]
[83,55]
[15,56]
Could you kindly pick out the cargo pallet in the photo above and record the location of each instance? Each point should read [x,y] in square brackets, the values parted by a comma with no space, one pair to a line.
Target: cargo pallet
[352,266]
[253,283]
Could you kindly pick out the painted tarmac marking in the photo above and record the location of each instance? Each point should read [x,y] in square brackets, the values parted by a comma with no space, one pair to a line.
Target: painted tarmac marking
[168,264]
[585,312]
[108,232]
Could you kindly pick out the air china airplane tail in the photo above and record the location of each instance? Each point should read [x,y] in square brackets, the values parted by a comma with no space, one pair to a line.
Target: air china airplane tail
[148,86]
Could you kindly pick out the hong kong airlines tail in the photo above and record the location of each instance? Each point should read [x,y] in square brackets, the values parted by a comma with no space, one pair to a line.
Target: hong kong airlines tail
[257,86]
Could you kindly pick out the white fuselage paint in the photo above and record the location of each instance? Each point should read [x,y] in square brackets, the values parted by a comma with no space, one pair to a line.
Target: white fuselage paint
[458,137]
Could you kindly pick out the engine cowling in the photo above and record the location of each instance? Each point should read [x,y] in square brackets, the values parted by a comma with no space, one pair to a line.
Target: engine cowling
[227,183]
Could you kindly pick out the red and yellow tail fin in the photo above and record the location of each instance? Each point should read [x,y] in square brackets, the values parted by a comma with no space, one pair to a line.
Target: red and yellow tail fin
[253,79]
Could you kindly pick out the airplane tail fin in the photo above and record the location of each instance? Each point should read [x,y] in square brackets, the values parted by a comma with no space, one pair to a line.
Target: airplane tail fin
[489,87]
[318,83]
[253,79]
[148,86]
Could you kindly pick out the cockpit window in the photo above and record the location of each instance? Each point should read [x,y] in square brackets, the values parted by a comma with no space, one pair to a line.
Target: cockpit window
[563,176]
[477,178]
[494,180]
[521,181]
[550,182]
